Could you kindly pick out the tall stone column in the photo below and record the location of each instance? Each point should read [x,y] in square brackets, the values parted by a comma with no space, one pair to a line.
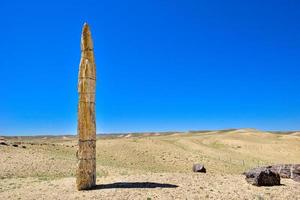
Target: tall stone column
[86,155]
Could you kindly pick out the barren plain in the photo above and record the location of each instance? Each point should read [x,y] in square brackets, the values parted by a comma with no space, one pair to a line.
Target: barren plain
[149,165]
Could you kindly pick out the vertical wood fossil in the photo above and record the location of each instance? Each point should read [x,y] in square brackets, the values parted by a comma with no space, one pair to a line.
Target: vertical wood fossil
[86,129]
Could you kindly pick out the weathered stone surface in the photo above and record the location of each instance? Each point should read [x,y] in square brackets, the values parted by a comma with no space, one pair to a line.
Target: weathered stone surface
[284,170]
[86,121]
[86,38]
[87,149]
[295,172]
[87,66]
[199,168]
[265,177]
[86,174]
[82,83]
[87,98]
[86,154]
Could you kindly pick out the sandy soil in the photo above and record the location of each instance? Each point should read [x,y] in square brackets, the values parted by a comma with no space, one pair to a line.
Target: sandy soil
[149,166]
[150,186]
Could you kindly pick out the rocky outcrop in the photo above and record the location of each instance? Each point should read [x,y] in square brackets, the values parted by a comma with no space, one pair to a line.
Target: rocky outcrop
[265,177]
[284,170]
[199,168]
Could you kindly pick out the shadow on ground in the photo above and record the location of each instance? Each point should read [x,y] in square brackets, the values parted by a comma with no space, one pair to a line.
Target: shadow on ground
[134,185]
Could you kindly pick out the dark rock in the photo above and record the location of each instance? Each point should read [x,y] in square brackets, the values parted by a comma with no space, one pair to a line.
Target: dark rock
[24,147]
[284,170]
[265,177]
[3,143]
[199,168]
[15,145]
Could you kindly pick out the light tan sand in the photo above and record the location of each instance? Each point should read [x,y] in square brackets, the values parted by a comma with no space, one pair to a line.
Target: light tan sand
[45,169]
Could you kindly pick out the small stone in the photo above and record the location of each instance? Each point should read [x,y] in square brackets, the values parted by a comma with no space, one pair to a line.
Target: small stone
[199,168]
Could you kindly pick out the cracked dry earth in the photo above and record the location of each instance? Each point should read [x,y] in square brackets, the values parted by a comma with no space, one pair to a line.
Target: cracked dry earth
[149,166]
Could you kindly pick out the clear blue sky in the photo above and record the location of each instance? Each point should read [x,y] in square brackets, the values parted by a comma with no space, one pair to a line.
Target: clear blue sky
[161,65]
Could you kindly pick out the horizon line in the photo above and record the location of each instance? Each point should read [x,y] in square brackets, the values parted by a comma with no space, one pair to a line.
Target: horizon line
[143,132]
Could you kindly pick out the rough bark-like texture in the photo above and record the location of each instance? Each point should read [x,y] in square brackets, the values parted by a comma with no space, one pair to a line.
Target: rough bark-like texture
[264,177]
[86,172]
[284,170]
[199,168]
[86,150]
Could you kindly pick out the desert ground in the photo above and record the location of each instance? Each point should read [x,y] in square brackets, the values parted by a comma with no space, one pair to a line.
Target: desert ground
[149,165]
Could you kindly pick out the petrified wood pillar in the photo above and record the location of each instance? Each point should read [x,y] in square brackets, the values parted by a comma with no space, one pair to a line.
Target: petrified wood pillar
[86,172]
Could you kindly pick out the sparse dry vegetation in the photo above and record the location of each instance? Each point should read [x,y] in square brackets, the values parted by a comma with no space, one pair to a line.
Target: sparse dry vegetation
[49,163]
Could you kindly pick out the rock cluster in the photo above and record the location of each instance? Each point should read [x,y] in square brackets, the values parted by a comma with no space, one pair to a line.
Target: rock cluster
[291,171]
[264,177]
[15,144]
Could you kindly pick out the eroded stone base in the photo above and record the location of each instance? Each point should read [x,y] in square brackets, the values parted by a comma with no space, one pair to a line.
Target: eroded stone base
[86,174]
